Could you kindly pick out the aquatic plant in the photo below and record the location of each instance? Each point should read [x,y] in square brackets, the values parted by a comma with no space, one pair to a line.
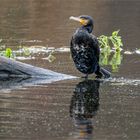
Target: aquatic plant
[8,52]
[105,42]
[111,47]
[116,41]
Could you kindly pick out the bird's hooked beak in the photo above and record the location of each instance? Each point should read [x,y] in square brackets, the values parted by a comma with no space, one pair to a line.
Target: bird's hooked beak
[81,20]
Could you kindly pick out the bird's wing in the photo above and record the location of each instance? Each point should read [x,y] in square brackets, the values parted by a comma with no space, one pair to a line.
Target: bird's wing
[82,39]
[95,45]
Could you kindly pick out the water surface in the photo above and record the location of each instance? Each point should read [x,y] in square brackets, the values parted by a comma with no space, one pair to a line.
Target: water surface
[62,110]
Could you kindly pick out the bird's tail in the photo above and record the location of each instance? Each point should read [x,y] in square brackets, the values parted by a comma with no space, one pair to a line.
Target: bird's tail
[105,72]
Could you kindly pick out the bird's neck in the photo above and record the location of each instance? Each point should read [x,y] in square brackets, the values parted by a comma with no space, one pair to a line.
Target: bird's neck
[87,28]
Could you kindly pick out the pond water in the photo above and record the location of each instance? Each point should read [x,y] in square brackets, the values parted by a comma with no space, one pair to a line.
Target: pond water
[71,109]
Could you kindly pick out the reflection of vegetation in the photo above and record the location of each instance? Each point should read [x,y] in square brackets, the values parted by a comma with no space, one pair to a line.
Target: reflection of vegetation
[116,40]
[111,50]
[115,61]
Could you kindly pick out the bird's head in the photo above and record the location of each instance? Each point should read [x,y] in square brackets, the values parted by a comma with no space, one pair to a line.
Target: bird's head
[85,20]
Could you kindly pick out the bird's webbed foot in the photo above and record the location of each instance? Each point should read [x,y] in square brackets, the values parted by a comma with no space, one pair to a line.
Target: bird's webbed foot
[103,73]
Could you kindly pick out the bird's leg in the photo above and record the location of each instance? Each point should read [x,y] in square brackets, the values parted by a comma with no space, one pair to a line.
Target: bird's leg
[86,76]
[98,73]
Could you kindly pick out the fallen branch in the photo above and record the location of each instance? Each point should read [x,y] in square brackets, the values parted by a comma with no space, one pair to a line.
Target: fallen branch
[12,68]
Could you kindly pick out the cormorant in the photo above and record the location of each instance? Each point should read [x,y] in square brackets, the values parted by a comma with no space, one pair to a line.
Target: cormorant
[85,49]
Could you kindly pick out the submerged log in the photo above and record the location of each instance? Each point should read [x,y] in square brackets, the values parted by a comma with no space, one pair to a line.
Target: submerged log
[12,68]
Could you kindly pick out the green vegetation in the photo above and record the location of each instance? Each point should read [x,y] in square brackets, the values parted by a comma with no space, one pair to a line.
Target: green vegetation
[5,51]
[111,50]
[8,52]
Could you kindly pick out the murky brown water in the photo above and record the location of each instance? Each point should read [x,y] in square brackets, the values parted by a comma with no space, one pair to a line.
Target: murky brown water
[63,110]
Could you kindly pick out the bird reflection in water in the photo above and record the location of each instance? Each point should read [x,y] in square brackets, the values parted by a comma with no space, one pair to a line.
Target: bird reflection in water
[84,105]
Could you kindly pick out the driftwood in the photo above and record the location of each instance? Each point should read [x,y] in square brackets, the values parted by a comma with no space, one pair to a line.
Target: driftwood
[11,70]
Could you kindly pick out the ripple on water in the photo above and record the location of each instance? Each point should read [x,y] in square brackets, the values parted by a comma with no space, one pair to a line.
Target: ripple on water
[123,81]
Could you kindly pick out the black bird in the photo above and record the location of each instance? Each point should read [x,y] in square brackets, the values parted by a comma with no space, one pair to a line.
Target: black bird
[85,50]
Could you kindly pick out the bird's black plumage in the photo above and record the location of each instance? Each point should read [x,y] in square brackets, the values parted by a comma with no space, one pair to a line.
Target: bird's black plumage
[84,48]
